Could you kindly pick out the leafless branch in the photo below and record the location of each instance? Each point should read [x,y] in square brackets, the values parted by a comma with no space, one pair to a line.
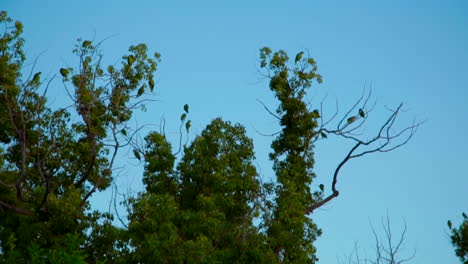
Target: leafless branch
[386,251]
[268,110]
[385,140]
[267,135]
[162,127]
[33,66]
[180,138]
[115,206]
[391,254]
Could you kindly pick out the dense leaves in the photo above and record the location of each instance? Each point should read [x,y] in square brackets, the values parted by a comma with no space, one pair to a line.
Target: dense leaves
[291,233]
[459,239]
[202,210]
[50,164]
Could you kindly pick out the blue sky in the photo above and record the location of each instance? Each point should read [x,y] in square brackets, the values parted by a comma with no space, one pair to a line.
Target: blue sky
[410,51]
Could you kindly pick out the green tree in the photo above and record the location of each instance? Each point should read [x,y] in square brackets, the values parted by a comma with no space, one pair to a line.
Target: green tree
[51,165]
[291,233]
[459,239]
[202,211]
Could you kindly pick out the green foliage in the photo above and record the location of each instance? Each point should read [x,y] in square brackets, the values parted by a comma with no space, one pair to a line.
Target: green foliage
[202,210]
[290,232]
[459,239]
[36,254]
[49,164]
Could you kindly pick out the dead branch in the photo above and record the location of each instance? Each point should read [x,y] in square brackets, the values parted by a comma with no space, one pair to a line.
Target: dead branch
[387,251]
[385,140]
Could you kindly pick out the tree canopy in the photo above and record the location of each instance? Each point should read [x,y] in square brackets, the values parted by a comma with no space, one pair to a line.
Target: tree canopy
[206,205]
[459,237]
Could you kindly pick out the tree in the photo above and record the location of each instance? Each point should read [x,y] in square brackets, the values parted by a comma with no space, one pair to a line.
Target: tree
[290,230]
[291,233]
[201,211]
[51,165]
[206,205]
[459,239]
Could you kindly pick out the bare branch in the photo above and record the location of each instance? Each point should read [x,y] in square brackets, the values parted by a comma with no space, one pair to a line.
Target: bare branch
[323,124]
[335,192]
[33,66]
[383,141]
[180,138]
[115,206]
[267,135]
[162,126]
[268,110]
[386,252]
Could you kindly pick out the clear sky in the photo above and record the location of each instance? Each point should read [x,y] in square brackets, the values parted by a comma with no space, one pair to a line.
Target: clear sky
[410,51]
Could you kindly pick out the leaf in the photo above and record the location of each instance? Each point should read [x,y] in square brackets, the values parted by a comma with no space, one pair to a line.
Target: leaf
[141,91]
[186,108]
[124,132]
[464,215]
[322,187]
[130,59]
[299,56]
[64,72]
[361,113]
[187,125]
[351,120]
[18,26]
[86,43]
[137,154]
[151,84]
[323,135]
[449,223]
[183,116]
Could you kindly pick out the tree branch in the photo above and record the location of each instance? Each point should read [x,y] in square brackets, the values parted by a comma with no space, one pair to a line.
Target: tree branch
[15,209]
[335,192]
[268,110]
[382,141]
